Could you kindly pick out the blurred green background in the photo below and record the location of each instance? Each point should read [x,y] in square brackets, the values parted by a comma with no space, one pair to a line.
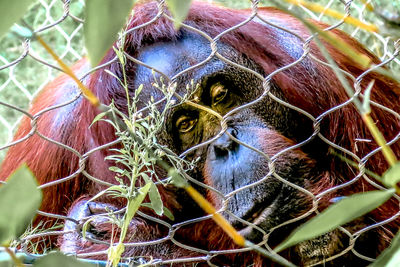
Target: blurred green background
[20,81]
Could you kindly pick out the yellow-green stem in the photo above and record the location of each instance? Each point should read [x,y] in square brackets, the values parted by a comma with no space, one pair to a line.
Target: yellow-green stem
[86,92]
[368,5]
[218,218]
[380,139]
[335,14]
[116,251]
[14,258]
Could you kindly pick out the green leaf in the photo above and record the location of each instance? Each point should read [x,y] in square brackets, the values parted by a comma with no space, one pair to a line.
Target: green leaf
[156,201]
[134,205]
[19,200]
[116,169]
[99,117]
[336,215]
[85,227]
[139,90]
[115,252]
[103,20]
[11,12]
[154,195]
[390,257]
[176,178]
[166,212]
[179,10]
[8,263]
[116,188]
[59,259]
[367,96]
[392,176]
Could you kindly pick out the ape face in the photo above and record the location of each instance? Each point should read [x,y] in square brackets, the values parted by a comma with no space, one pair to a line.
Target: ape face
[236,162]
[239,135]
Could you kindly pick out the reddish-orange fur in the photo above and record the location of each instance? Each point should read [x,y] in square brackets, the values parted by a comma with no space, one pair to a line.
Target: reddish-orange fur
[50,162]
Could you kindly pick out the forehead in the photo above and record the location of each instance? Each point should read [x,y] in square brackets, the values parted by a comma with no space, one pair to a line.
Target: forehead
[184,60]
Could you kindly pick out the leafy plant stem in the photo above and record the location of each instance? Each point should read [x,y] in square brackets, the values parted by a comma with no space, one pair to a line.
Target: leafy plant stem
[376,134]
[115,252]
[386,150]
[86,92]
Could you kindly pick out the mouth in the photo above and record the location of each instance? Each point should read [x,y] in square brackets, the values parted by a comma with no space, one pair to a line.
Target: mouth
[259,221]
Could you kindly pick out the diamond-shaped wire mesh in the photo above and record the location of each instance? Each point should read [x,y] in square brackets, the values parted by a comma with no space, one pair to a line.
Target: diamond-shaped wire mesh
[25,69]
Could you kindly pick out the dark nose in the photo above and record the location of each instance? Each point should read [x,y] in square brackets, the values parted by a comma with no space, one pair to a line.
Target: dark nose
[223,145]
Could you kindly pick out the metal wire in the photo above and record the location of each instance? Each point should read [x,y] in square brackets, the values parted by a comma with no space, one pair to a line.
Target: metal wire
[11,79]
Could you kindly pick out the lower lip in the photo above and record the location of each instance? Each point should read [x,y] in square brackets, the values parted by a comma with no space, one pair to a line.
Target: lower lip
[262,217]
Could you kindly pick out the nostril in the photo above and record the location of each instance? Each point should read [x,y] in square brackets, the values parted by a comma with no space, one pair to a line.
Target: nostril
[233,132]
[220,151]
[223,145]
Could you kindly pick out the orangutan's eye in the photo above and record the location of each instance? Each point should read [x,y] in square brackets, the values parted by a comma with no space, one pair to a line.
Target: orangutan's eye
[185,123]
[218,93]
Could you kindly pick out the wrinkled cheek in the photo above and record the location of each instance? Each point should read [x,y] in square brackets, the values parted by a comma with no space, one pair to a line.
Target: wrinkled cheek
[246,166]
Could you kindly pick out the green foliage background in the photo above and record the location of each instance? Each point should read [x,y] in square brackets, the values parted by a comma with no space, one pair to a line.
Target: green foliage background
[19,83]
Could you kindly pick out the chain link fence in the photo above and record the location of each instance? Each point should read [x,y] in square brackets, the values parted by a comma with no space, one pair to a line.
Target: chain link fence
[25,68]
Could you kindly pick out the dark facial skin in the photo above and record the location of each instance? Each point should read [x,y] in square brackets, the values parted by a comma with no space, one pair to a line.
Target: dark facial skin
[225,164]
[253,177]
[237,163]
